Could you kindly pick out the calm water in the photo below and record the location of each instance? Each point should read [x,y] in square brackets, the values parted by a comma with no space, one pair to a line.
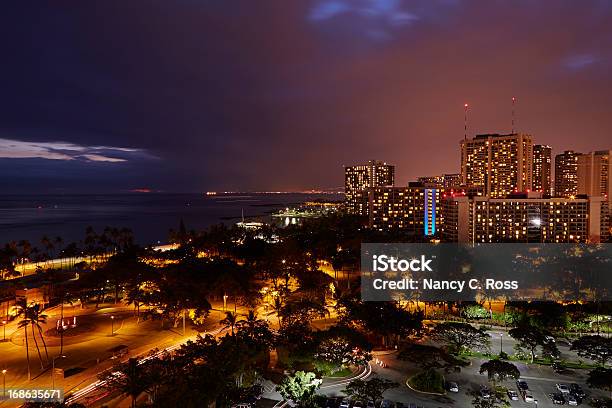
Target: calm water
[150,216]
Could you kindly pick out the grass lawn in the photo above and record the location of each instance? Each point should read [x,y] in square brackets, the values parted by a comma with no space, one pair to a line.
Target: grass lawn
[345,372]
[429,381]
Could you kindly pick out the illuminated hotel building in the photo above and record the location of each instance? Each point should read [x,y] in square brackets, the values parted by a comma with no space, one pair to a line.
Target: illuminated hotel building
[566,174]
[524,217]
[357,179]
[413,209]
[542,163]
[594,174]
[446,181]
[452,181]
[437,181]
[497,164]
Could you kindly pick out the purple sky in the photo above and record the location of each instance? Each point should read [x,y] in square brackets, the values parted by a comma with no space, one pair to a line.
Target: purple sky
[199,95]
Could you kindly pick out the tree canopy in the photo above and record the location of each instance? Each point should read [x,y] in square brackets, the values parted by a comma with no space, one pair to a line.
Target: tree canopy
[530,337]
[370,390]
[300,388]
[499,370]
[596,348]
[460,336]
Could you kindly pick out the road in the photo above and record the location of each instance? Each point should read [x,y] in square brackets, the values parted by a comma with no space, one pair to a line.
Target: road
[87,353]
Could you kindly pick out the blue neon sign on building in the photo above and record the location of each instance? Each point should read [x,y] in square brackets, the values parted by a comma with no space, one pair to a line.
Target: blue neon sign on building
[430,211]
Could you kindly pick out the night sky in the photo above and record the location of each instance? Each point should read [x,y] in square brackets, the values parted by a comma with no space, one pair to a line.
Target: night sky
[196,95]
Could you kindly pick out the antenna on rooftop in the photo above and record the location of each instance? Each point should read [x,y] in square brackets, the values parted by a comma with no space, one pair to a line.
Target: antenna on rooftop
[513,101]
[465,122]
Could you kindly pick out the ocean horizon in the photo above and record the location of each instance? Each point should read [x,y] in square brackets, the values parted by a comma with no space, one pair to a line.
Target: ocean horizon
[149,215]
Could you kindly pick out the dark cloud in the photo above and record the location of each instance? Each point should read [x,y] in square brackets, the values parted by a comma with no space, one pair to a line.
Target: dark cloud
[279,95]
[18,149]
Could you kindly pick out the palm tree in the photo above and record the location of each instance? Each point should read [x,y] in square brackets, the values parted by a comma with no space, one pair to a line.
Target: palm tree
[230,321]
[8,255]
[277,306]
[65,297]
[34,318]
[256,330]
[24,323]
[37,319]
[250,322]
[70,251]
[26,250]
[58,243]
[49,246]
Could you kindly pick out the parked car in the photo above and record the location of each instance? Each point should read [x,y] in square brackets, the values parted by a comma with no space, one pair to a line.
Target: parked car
[386,404]
[345,403]
[513,395]
[563,388]
[600,403]
[331,403]
[453,387]
[557,398]
[577,391]
[528,396]
[358,404]
[559,368]
[522,385]
[485,392]
[571,400]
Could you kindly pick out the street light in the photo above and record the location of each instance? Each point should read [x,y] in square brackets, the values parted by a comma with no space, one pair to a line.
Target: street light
[53,370]
[4,328]
[501,343]
[224,302]
[112,325]
[4,383]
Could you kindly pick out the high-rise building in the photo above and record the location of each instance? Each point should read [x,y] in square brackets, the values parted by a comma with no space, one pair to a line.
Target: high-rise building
[497,164]
[437,181]
[452,181]
[413,209]
[357,179]
[446,181]
[542,164]
[566,174]
[594,174]
[524,217]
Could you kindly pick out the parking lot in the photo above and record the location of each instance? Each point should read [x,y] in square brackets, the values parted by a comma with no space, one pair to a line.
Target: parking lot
[541,382]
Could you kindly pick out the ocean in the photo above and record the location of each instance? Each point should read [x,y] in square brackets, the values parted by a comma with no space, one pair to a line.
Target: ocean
[149,215]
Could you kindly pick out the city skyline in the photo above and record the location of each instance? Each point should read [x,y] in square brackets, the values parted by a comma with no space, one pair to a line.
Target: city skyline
[213,102]
[307,204]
